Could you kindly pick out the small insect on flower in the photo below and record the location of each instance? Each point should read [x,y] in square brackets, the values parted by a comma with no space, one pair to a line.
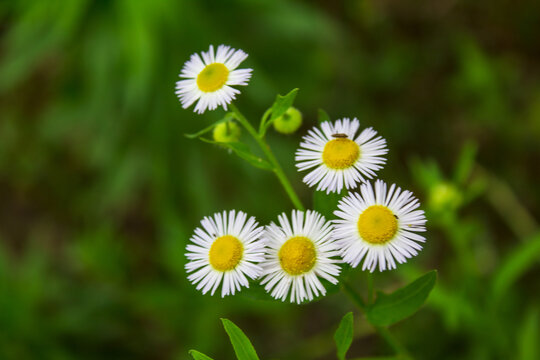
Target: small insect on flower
[211,78]
[298,255]
[225,249]
[379,226]
[336,158]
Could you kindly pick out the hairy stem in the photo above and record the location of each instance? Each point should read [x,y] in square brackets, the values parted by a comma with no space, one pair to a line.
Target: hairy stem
[271,158]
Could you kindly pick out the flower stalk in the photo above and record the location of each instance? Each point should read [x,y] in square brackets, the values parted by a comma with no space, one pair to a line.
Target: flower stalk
[270,157]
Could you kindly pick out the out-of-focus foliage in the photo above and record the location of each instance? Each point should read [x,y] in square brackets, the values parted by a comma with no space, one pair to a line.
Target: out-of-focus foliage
[100,190]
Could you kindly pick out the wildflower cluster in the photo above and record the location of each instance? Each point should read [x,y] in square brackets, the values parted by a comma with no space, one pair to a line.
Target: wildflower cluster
[377,226]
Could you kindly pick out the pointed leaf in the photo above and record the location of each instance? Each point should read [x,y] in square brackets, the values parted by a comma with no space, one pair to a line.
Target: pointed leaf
[243,151]
[241,344]
[389,309]
[322,116]
[198,355]
[281,104]
[209,128]
[344,335]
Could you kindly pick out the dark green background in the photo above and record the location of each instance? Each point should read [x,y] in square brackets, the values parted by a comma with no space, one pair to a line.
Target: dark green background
[100,190]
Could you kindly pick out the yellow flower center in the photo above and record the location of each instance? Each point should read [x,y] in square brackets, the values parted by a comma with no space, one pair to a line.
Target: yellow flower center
[297,255]
[340,153]
[213,77]
[377,224]
[225,253]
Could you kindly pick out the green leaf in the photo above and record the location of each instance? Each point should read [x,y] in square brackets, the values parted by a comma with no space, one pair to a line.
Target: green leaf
[240,342]
[243,151]
[322,116]
[326,204]
[344,335]
[198,355]
[209,128]
[389,309]
[515,265]
[281,104]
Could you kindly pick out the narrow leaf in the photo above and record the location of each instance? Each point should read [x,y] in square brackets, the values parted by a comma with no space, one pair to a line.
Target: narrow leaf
[209,128]
[322,116]
[344,335]
[240,342]
[389,309]
[243,151]
[282,103]
[250,157]
[198,355]
[516,264]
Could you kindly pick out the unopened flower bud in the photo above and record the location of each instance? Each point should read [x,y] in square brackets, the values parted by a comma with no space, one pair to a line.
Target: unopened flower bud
[445,196]
[289,122]
[227,132]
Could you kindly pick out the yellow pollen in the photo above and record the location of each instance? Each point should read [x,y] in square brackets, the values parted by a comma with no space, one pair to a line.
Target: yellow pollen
[340,153]
[297,255]
[377,224]
[213,77]
[225,253]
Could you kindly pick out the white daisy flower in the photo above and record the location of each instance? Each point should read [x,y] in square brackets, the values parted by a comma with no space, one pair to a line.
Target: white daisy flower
[340,160]
[209,79]
[297,256]
[379,227]
[226,248]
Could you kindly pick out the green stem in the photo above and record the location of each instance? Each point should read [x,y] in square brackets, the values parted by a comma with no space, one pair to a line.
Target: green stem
[401,351]
[271,158]
[263,122]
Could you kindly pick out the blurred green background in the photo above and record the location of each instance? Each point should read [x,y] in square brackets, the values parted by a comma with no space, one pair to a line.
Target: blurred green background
[100,190]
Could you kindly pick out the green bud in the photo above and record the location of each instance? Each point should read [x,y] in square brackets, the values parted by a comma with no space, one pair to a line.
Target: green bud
[445,196]
[226,132]
[289,122]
